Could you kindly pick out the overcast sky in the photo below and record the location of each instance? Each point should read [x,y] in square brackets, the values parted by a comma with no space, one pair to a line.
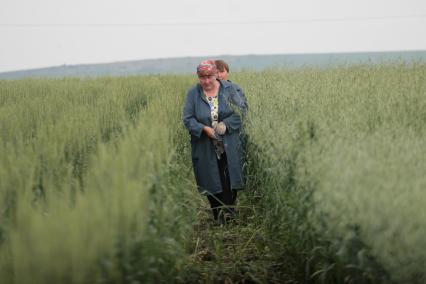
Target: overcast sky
[41,33]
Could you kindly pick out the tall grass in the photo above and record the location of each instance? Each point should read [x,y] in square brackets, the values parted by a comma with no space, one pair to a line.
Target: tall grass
[338,157]
[90,181]
[96,182]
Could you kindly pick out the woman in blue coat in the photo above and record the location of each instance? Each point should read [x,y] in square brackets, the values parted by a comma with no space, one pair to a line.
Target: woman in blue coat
[213,119]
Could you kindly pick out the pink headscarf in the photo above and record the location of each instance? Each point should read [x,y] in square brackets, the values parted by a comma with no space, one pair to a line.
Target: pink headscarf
[206,68]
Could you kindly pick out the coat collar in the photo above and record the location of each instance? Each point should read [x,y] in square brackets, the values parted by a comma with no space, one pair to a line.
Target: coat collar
[226,83]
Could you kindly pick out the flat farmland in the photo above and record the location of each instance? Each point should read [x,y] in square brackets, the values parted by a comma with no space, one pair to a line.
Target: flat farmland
[96,184]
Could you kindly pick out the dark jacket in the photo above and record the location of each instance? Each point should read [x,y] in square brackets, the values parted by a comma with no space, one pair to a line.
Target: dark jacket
[239,98]
[196,115]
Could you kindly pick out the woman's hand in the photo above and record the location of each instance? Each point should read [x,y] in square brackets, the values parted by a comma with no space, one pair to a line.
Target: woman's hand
[209,132]
[220,128]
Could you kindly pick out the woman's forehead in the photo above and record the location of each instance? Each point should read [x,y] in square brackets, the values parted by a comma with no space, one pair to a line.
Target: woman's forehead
[206,75]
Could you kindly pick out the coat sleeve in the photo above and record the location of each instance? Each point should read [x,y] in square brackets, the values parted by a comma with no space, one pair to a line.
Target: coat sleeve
[233,122]
[189,120]
[238,98]
[238,102]
[244,104]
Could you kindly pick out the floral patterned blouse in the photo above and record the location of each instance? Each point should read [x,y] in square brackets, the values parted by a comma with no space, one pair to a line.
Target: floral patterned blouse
[214,109]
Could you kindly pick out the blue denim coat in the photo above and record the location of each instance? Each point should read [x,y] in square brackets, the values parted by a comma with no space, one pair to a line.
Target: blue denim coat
[239,98]
[196,114]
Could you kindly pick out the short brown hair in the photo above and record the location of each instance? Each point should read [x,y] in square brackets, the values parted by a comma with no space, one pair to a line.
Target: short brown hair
[221,65]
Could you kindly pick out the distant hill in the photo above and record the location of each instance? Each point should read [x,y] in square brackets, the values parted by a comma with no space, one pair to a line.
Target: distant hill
[188,64]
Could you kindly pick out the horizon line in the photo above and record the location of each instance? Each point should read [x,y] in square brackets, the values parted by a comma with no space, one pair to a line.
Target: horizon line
[212,56]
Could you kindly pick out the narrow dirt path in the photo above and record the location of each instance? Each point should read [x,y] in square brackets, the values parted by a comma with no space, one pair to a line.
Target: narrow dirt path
[237,252]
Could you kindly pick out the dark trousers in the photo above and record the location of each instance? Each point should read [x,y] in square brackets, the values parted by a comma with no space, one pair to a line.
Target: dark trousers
[226,199]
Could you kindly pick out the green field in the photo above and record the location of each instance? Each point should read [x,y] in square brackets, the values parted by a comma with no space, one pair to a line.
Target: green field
[96,183]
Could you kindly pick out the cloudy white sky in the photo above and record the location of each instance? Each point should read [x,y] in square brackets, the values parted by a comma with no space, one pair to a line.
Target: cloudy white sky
[54,32]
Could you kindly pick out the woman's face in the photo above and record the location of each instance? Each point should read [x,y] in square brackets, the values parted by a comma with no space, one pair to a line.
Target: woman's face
[222,75]
[207,82]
